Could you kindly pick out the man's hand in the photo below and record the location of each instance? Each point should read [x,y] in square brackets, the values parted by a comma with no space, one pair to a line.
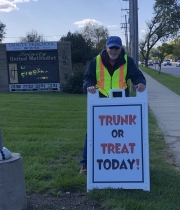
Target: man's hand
[140,87]
[91,89]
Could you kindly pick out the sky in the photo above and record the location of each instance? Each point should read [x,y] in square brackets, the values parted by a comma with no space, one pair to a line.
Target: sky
[55,18]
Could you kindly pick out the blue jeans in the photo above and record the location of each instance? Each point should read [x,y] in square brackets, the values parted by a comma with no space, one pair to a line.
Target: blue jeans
[84,155]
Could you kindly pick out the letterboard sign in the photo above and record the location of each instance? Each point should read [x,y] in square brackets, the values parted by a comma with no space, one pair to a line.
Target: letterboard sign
[33,66]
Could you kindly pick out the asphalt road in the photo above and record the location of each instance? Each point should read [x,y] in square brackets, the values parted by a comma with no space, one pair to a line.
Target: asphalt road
[173,70]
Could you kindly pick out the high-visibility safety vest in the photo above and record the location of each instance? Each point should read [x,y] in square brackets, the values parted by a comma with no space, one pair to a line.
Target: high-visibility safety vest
[104,80]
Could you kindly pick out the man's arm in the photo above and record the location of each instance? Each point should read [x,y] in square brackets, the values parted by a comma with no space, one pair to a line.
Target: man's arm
[136,76]
[89,81]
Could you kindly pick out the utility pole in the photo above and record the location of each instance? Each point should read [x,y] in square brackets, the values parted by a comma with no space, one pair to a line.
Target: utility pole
[125,26]
[133,21]
[126,36]
[130,28]
[136,33]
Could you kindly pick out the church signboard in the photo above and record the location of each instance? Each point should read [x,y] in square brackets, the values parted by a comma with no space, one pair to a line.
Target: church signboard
[33,66]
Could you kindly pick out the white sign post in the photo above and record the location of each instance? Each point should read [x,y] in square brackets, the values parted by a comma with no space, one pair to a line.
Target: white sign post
[118,143]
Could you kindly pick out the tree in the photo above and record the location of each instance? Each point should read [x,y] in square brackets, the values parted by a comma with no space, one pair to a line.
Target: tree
[164,25]
[84,46]
[81,48]
[81,52]
[176,50]
[97,34]
[32,36]
[164,51]
[2,31]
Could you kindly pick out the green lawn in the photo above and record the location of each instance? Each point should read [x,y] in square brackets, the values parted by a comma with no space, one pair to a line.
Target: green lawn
[171,82]
[48,130]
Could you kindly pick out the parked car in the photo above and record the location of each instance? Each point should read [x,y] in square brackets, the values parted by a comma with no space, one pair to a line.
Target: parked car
[167,62]
[150,63]
[142,63]
[178,63]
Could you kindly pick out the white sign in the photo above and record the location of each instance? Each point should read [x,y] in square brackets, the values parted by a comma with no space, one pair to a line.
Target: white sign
[31,46]
[118,144]
[34,87]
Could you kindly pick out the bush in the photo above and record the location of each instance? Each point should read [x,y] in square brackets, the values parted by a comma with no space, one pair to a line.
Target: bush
[74,83]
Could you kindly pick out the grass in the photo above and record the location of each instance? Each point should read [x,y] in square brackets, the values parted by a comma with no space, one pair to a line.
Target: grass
[48,130]
[171,82]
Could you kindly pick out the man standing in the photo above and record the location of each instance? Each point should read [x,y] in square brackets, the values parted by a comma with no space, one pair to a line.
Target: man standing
[110,70]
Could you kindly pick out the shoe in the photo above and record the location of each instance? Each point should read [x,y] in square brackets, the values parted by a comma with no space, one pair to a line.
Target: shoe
[83,169]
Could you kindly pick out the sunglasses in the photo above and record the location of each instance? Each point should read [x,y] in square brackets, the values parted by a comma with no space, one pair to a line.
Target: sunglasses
[114,47]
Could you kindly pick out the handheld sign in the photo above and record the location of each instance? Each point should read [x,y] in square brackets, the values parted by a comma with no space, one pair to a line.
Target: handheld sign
[117,142]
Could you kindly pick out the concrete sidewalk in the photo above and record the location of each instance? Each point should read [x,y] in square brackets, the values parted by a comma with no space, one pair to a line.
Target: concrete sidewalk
[165,105]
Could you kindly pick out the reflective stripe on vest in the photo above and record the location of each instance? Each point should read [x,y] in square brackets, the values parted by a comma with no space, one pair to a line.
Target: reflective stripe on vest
[104,80]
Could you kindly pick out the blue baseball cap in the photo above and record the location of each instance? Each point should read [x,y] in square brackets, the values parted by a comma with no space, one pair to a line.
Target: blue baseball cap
[114,41]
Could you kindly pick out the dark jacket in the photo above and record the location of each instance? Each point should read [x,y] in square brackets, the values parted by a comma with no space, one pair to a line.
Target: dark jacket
[133,72]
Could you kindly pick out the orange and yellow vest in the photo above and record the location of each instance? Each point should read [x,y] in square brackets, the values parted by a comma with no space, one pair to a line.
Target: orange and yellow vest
[106,82]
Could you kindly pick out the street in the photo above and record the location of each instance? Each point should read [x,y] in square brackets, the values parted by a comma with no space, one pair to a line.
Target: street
[173,70]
